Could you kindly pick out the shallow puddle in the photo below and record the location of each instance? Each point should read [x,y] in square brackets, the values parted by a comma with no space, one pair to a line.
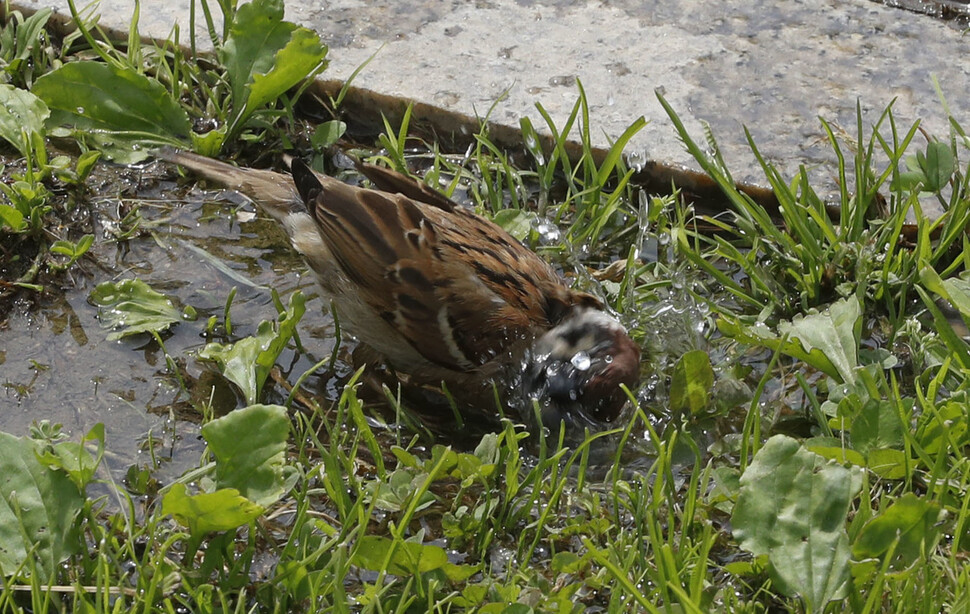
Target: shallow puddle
[195,247]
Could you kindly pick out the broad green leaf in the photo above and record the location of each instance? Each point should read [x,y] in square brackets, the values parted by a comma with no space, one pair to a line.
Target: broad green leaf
[828,341]
[405,458]
[24,114]
[760,335]
[134,307]
[442,457]
[327,133]
[516,222]
[887,463]
[85,164]
[488,449]
[834,332]
[568,562]
[958,293]
[725,485]
[257,33]
[931,171]
[954,289]
[459,573]
[407,558]
[210,143]
[843,456]
[222,510]
[12,218]
[907,180]
[394,494]
[247,362]
[239,362]
[38,505]
[793,506]
[301,55]
[119,107]
[937,165]
[470,468]
[250,445]
[877,426]
[472,596]
[75,459]
[913,519]
[692,382]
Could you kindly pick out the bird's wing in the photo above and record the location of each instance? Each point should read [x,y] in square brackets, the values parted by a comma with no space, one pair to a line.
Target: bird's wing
[395,183]
[457,287]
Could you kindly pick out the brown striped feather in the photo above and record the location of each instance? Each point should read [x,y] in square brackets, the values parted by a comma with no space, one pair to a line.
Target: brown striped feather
[394,246]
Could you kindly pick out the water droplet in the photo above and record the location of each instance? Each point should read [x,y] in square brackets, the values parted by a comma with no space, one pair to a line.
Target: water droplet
[581,361]
[636,159]
[548,232]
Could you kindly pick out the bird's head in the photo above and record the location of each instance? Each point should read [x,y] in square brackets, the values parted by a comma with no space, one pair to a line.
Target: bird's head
[574,370]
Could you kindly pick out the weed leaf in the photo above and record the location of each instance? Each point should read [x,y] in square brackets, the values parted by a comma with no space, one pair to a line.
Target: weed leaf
[249,446]
[954,289]
[74,458]
[25,114]
[834,332]
[247,362]
[256,35]
[407,558]
[911,519]
[516,222]
[887,463]
[692,382]
[827,340]
[936,165]
[792,506]
[11,218]
[37,509]
[118,106]
[327,133]
[294,62]
[877,426]
[395,494]
[134,307]
[222,510]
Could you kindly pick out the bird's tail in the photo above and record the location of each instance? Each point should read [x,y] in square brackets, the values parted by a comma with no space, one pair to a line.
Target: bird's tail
[273,192]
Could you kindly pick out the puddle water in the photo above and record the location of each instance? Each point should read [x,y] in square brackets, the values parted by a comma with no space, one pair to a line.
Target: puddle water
[57,364]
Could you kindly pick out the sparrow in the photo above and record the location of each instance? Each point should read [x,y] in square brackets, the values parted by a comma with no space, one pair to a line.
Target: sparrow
[444,295]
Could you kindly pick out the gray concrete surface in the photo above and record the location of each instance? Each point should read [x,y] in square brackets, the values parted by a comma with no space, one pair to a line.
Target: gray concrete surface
[771,66]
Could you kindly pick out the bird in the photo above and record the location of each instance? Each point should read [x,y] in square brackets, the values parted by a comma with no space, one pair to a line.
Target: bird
[444,295]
